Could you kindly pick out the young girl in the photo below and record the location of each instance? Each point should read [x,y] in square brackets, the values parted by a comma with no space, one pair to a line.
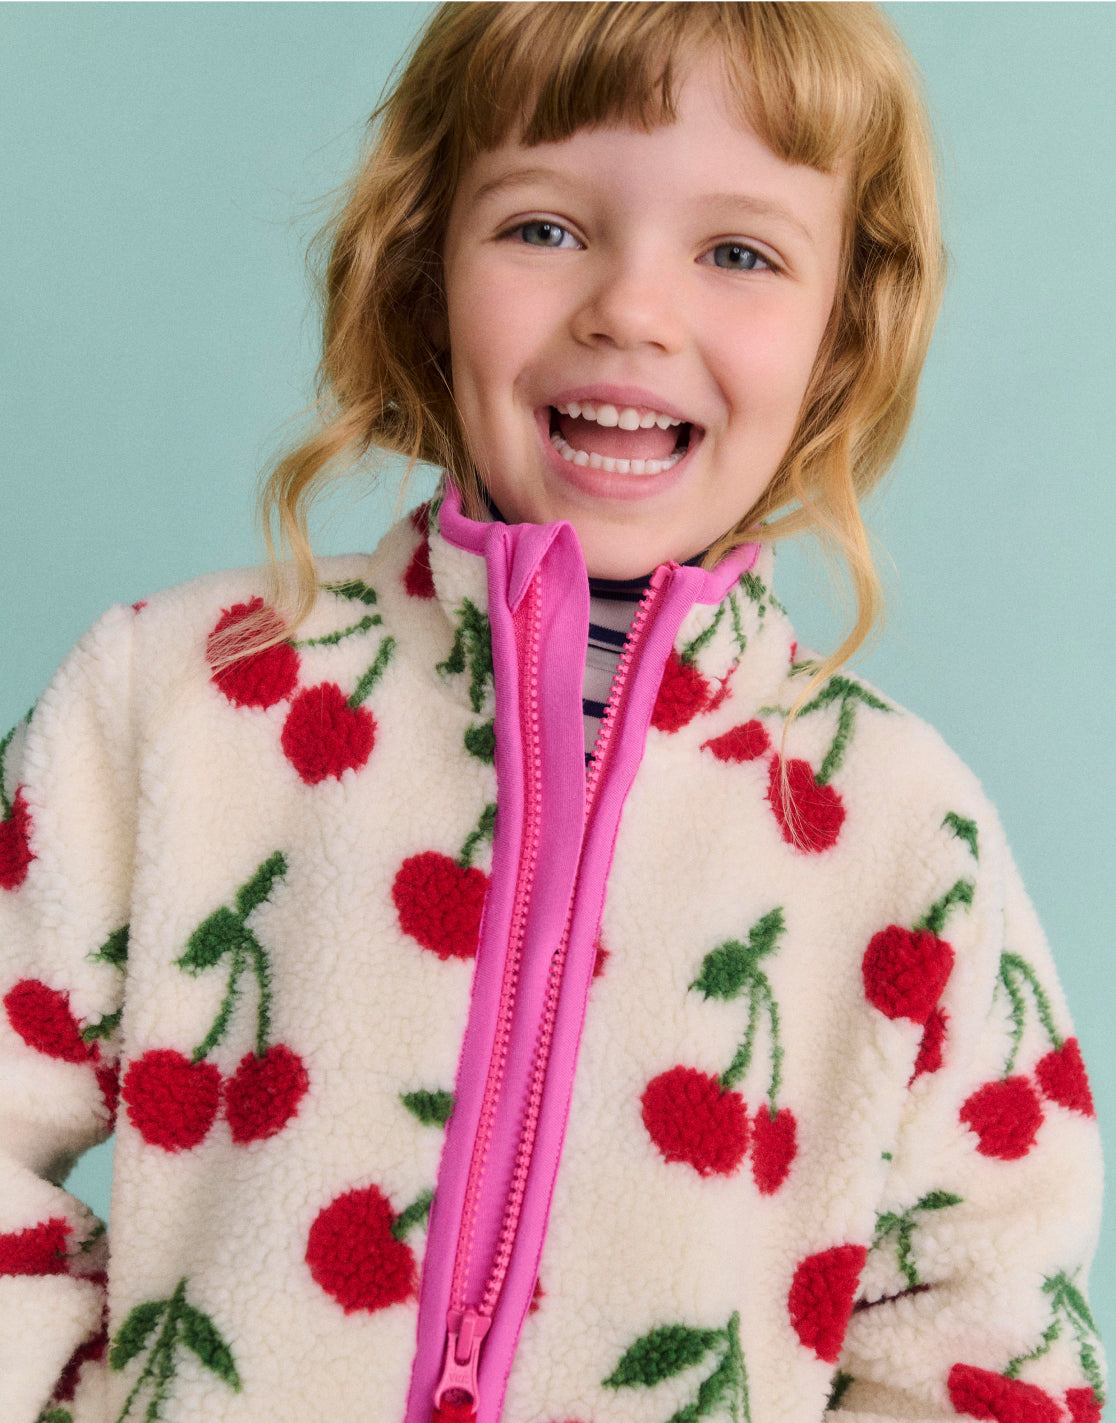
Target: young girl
[723,1075]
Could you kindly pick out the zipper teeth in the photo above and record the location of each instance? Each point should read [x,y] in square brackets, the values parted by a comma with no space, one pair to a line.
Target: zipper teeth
[616,691]
[525,1149]
[498,1061]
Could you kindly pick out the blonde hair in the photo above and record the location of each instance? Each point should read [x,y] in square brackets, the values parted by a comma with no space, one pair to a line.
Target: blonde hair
[820,83]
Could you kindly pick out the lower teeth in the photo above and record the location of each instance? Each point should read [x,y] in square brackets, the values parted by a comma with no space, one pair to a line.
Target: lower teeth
[612,466]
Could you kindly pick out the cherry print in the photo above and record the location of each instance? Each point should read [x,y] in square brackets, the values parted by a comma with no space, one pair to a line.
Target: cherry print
[1082,1405]
[418,580]
[905,971]
[929,1057]
[1005,1116]
[324,736]
[774,1143]
[683,693]
[262,678]
[439,903]
[38,1250]
[171,1101]
[263,1093]
[43,1019]
[92,1350]
[746,742]
[691,1118]
[15,843]
[1061,1077]
[809,815]
[983,1394]
[355,1258]
[821,1298]
[600,958]
[108,1080]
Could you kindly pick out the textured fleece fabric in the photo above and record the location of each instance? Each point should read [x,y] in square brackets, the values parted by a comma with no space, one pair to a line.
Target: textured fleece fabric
[831,1142]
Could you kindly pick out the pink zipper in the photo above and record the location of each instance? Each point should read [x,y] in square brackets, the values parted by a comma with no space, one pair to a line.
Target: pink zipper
[456,1396]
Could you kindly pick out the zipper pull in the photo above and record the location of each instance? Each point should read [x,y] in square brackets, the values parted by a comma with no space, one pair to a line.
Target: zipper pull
[456,1397]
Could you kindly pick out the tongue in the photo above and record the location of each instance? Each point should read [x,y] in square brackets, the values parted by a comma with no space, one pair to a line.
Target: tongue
[614,443]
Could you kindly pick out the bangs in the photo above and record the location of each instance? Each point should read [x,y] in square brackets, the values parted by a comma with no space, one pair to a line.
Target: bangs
[812,80]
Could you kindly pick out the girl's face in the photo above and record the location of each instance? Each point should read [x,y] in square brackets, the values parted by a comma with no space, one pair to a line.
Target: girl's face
[632,323]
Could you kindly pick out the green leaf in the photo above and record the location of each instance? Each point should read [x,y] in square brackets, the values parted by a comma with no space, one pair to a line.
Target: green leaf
[725,970]
[415,1214]
[222,933]
[885,1224]
[432,1108]
[257,889]
[103,1028]
[714,1388]
[56,1415]
[764,933]
[354,588]
[661,1355]
[937,1201]
[1076,1302]
[480,741]
[754,586]
[199,1333]
[841,1382]
[114,950]
[964,830]
[132,1334]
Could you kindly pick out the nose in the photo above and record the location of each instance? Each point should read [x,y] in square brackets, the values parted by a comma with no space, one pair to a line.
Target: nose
[630,300]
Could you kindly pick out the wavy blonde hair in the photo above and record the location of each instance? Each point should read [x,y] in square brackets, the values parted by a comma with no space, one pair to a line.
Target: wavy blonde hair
[821,83]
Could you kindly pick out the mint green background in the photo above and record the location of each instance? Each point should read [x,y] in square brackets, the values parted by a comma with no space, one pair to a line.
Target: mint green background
[162,168]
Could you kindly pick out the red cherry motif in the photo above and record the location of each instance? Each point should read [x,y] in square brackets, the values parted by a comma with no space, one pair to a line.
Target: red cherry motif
[324,736]
[691,1118]
[263,1093]
[983,1394]
[42,1018]
[809,815]
[439,903]
[38,1250]
[93,1349]
[821,1298]
[905,971]
[600,958]
[418,580]
[1005,1116]
[1061,1077]
[263,678]
[353,1255]
[15,843]
[171,1101]
[108,1080]
[746,742]
[683,693]
[929,1057]
[1082,1405]
[774,1143]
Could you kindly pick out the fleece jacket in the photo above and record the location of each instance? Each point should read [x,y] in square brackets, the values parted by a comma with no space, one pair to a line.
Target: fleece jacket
[732,1081]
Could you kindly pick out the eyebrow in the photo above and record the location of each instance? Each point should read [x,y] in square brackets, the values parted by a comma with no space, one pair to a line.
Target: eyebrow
[749,207]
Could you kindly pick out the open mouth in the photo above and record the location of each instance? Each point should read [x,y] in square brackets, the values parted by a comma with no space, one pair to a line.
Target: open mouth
[618,439]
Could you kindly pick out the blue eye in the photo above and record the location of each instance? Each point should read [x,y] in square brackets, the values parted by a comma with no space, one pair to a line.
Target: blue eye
[543,234]
[735,257]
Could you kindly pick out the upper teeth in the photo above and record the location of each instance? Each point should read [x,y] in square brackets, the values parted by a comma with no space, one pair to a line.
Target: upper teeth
[627,417]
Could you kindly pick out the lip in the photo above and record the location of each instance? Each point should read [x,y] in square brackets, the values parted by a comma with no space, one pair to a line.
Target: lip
[600,483]
[621,395]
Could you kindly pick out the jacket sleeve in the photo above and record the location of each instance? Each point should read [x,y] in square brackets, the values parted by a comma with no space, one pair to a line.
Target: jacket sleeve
[66,839]
[973,1302]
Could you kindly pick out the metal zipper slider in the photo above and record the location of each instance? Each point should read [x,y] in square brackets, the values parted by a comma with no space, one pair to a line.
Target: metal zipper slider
[456,1397]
